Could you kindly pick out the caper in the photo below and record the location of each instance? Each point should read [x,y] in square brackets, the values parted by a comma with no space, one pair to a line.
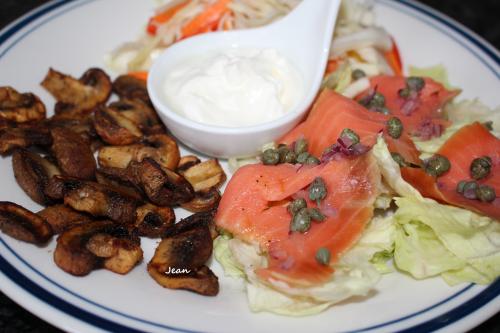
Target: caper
[461,186]
[486,193]
[317,190]
[399,159]
[415,83]
[405,92]
[378,100]
[316,214]
[301,222]
[296,205]
[286,155]
[437,165]
[312,160]
[323,256]
[301,146]
[488,125]
[480,167]
[358,74]
[350,134]
[302,157]
[394,127]
[270,157]
[470,190]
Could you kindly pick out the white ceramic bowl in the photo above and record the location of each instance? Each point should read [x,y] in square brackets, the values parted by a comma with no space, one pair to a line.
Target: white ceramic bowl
[217,141]
[311,25]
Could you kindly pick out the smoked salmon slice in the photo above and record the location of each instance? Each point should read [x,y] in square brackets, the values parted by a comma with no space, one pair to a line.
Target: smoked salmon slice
[470,142]
[333,112]
[422,114]
[254,208]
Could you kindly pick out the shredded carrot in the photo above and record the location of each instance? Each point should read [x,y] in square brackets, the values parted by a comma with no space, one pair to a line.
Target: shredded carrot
[331,66]
[141,75]
[394,59]
[207,20]
[164,17]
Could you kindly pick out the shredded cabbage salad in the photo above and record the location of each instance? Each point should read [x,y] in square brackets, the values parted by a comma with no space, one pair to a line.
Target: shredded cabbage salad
[358,42]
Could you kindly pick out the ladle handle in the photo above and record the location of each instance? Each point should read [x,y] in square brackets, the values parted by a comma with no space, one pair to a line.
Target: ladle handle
[311,19]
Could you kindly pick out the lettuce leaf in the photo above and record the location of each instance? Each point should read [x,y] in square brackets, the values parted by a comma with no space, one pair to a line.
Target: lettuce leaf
[438,73]
[434,239]
[390,170]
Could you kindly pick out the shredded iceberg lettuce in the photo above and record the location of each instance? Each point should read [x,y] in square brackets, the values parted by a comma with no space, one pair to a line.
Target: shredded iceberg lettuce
[435,239]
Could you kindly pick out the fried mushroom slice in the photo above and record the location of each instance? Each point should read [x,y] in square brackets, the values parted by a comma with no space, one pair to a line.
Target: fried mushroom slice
[20,108]
[201,280]
[160,147]
[141,114]
[86,247]
[21,224]
[102,201]
[153,221]
[186,162]
[110,177]
[121,255]
[114,128]
[163,187]
[180,257]
[203,201]
[92,89]
[32,173]
[205,219]
[130,87]
[93,198]
[61,217]
[24,136]
[205,175]
[73,154]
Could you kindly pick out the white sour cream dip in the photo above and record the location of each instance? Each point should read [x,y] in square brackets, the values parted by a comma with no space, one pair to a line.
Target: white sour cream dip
[233,88]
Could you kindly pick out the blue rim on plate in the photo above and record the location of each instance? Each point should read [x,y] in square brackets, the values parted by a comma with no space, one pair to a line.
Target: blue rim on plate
[441,321]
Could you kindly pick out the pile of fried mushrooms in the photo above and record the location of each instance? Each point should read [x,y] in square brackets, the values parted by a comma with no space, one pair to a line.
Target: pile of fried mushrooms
[100,209]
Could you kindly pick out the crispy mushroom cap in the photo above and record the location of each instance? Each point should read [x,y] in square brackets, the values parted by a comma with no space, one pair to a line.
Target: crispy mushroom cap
[24,136]
[32,173]
[61,217]
[20,108]
[114,128]
[20,223]
[201,280]
[159,147]
[92,89]
[206,178]
[153,221]
[140,114]
[102,201]
[130,87]
[179,261]
[162,186]
[205,219]
[203,201]
[117,178]
[73,154]
[81,248]
[93,198]
[205,175]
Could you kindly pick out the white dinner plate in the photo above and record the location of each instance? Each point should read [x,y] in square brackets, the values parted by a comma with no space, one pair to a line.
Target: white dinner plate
[72,36]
